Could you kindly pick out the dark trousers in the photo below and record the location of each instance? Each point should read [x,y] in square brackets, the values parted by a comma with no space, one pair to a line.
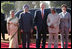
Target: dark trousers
[25,39]
[3,31]
[38,37]
[3,35]
[19,36]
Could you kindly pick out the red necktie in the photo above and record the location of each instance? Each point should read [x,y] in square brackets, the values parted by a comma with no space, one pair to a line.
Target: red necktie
[42,14]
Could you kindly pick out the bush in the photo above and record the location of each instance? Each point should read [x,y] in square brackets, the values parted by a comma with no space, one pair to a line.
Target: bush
[7,6]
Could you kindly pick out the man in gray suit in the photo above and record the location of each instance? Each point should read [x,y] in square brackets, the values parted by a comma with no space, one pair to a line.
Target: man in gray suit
[65,25]
[26,25]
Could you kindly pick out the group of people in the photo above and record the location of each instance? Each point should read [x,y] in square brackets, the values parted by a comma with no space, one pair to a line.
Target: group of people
[26,22]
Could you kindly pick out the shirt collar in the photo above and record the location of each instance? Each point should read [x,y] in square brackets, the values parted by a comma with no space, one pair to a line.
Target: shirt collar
[26,12]
[65,12]
[41,10]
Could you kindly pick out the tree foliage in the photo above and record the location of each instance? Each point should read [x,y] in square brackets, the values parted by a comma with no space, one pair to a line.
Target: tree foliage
[19,4]
[6,7]
[59,3]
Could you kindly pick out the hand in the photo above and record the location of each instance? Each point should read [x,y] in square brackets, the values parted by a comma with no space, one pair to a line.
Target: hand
[31,30]
[52,26]
[8,34]
[21,30]
[69,30]
[16,24]
[35,27]
[10,22]
[60,30]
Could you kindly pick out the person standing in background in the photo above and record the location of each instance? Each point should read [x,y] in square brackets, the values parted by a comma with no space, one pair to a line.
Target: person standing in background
[3,25]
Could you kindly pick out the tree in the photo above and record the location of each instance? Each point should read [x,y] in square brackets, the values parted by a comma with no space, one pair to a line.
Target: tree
[46,5]
[6,7]
[59,3]
[32,4]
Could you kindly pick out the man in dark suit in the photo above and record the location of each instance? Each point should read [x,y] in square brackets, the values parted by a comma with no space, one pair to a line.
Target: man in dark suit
[40,25]
[3,25]
[26,25]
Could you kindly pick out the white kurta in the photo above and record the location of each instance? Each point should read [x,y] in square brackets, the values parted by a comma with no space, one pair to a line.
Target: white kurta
[55,20]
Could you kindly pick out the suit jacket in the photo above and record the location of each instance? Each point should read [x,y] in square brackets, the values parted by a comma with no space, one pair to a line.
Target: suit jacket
[66,21]
[55,21]
[2,18]
[39,21]
[26,21]
[17,14]
[3,23]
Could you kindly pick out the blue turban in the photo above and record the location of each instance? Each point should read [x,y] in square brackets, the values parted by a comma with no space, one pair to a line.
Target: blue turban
[25,6]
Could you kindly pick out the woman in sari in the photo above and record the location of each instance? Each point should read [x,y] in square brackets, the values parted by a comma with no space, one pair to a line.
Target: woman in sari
[12,27]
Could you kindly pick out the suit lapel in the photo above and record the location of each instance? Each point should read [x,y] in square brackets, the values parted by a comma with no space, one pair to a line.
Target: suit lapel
[40,14]
[44,14]
[65,14]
